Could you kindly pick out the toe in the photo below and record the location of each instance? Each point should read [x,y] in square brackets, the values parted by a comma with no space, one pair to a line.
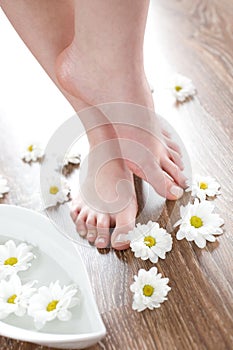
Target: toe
[74,211]
[166,133]
[174,171]
[103,235]
[91,228]
[160,180]
[163,183]
[173,146]
[125,222]
[171,190]
[81,223]
[176,158]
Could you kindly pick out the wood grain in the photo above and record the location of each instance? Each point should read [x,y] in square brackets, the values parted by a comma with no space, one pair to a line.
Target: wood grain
[194,38]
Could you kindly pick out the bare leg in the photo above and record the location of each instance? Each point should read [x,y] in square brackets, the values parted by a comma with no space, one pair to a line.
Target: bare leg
[108,42]
[87,69]
[47,28]
[104,64]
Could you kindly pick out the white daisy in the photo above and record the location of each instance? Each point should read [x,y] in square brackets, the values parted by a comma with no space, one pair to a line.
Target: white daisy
[14,258]
[204,186]
[53,302]
[182,87]
[14,297]
[33,152]
[150,241]
[198,223]
[150,289]
[72,158]
[56,191]
[3,186]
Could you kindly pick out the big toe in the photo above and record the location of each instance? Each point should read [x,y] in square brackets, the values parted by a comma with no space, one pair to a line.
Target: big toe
[174,171]
[168,184]
[125,222]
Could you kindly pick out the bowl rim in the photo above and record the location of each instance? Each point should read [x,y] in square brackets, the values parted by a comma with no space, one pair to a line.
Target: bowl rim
[18,333]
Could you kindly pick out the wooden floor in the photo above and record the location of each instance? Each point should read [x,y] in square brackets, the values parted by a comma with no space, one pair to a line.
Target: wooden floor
[194,38]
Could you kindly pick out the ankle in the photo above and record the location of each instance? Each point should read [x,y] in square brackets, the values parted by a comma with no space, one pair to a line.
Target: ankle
[101,78]
[101,134]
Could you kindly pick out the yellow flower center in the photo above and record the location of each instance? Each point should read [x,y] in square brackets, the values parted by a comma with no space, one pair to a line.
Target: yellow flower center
[203,185]
[149,241]
[52,305]
[53,190]
[196,221]
[11,300]
[178,88]
[11,261]
[30,148]
[148,290]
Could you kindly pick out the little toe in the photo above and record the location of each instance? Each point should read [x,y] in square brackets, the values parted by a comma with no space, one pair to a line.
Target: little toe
[91,228]
[74,211]
[103,234]
[81,223]
[166,133]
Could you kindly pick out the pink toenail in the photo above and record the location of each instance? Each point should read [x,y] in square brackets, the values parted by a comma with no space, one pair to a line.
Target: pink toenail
[176,191]
[101,240]
[91,235]
[121,238]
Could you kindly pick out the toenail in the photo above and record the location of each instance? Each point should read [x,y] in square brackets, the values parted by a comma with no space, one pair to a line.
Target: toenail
[91,234]
[101,240]
[82,233]
[121,238]
[176,191]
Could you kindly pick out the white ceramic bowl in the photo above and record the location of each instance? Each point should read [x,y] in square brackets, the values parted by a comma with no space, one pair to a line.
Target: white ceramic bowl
[57,258]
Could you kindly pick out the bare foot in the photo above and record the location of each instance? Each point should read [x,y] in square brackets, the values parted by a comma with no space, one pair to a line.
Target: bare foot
[148,151]
[107,196]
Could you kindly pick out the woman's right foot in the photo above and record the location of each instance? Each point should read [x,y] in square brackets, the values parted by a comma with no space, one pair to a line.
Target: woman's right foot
[148,152]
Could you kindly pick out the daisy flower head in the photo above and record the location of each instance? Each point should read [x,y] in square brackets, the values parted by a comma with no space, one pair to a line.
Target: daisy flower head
[150,289]
[72,158]
[53,302]
[150,241]
[198,223]
[14,296]
[14,258]
[3,186]
[33,152]
[182,87]
[56,191]
[203,187]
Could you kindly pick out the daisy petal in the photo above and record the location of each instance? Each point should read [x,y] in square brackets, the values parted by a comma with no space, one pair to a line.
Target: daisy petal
[150,290]
[199,223]
[53,302]
[150,241]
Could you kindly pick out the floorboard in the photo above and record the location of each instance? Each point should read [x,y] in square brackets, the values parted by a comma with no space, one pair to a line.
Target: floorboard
[194,38]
